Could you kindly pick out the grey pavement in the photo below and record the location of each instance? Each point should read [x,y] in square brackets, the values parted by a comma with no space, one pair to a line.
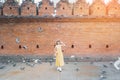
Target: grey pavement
[47,71]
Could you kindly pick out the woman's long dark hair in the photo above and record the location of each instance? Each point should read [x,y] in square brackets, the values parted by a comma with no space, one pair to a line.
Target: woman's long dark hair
[56,43]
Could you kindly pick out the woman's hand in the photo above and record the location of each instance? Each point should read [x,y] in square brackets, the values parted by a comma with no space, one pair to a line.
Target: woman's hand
[63,44]
[55,54]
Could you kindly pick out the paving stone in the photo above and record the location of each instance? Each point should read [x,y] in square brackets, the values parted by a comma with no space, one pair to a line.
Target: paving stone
[2,67]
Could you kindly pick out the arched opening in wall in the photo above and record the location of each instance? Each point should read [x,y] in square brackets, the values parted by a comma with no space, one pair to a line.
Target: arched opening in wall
[62,15]
[45,8]
[115,7]
[98,8]
[10,8]
[37,46]
[2,47]
[72,12]
[72,46]
[80,8]
[28,8]
[90,46]
[20,46]
[107,46]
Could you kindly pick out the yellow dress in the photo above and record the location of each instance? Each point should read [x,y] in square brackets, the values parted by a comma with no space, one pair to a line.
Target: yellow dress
[59,56]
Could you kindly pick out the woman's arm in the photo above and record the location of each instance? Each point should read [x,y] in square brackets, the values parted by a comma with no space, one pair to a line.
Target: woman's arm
[55,51]
[63,44]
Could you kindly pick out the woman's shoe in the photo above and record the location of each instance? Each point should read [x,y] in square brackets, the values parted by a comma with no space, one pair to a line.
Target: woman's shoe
[59,69]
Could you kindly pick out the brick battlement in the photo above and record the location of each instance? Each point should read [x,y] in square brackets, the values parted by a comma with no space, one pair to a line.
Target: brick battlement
[63,8]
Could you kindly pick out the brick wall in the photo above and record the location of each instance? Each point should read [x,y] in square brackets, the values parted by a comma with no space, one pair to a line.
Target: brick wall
[98,8]
[113,8]
[10,8]
[64,8]
[81,38]
[81,8]
[28,9]
[46,8]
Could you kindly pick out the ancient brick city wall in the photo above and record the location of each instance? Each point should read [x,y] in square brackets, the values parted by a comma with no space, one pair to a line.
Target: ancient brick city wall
[81,8]
[113,8]
[10,10]
[46,8]
[98,8]
[81,38]
[28,9]
[82,35]
[63,8]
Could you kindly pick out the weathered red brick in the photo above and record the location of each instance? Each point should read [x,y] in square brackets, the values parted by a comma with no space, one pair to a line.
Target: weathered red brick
[98,8]
[10,7]
[64,8]
[46,8]
[28,8]
[81,8]
[113,8]
[88,38]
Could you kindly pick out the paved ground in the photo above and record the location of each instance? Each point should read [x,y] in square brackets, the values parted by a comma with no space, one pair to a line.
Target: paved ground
[47,71]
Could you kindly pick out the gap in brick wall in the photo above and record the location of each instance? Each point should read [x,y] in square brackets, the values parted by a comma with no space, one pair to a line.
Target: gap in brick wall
[107,46]
[37,46]
[45,8]
[90,46]
[2,47]
[20,46]
[72,46]
[10,8]
[28,8]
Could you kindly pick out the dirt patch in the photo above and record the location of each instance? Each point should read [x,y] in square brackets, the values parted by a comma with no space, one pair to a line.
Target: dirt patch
[10,74]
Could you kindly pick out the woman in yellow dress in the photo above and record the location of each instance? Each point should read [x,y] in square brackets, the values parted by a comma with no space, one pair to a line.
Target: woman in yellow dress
[59,55]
